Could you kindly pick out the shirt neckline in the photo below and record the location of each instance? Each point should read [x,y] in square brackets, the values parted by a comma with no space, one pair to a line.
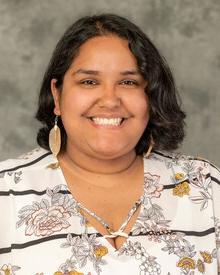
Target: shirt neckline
[141,199]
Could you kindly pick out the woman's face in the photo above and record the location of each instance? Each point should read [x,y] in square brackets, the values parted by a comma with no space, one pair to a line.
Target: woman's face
[103,104]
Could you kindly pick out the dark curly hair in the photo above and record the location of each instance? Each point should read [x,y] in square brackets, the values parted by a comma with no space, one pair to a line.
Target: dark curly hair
[166,124]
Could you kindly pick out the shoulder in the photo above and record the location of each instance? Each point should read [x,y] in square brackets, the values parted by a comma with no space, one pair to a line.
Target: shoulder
[191,165]
[181,159]
[16,173]
[30,160]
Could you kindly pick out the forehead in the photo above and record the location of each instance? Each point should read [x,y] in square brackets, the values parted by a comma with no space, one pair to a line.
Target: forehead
[106,52]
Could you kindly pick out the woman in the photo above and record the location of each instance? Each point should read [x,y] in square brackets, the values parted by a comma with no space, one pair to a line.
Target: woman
[103,202]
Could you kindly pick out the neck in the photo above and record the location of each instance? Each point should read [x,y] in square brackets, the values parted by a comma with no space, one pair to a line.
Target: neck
[75,160]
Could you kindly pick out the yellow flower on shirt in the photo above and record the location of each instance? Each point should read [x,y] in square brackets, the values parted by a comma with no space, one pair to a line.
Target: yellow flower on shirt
[181,189]
[186,263]
[8,269]
[101,251]
[200,266]
[179,176]
[207,257]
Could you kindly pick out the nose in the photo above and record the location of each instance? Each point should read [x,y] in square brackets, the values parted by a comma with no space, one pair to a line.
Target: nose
[109,98]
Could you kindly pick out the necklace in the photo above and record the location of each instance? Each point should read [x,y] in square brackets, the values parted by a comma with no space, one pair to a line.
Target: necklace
[120,231]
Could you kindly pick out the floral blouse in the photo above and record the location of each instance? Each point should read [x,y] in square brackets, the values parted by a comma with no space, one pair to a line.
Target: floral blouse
[43,232]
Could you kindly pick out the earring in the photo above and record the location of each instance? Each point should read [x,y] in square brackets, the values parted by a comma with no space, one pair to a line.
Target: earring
[147,154]
[55,138]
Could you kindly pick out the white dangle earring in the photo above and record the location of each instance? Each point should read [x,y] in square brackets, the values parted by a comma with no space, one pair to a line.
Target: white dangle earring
[55,138]
[151,146]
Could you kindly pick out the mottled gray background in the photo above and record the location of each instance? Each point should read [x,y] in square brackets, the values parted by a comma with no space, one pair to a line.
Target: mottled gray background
[186,32]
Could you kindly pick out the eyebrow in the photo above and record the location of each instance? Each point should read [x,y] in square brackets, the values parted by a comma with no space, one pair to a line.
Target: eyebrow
[94,72]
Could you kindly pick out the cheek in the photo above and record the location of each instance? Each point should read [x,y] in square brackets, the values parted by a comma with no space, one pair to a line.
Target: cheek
[144,105]
[74,103]
[140,106]
[144,108]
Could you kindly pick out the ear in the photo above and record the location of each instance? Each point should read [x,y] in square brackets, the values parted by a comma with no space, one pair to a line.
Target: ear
[56,96]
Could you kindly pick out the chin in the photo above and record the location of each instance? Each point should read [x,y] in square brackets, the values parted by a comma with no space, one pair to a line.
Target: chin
[111,148]
[109,153]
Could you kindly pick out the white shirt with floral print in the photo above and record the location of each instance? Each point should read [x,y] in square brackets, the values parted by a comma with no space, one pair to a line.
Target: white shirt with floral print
[42,231]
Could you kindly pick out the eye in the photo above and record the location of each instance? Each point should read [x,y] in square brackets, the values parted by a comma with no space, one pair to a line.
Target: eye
[129,82]
[88,82]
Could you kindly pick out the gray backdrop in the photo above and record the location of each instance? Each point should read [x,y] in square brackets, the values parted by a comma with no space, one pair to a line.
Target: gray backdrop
[186,32]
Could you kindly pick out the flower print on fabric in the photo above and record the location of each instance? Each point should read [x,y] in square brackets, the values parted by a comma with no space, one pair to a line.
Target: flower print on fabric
[217,231]
[8,269]
[194,177]
[152,187]
[151,219]
[16,176]
[153,223]
[188,264]
[148,264]
[156,245]
[181,189]
[83,249]
[200,266]
[48,216]
[189,259]
[28,155]
[181,184]
[203,184]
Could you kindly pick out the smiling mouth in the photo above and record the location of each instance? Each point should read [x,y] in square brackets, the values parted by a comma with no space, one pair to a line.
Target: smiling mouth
[107,121]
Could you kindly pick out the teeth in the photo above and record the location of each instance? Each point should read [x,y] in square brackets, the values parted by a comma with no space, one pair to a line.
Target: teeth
[107,121]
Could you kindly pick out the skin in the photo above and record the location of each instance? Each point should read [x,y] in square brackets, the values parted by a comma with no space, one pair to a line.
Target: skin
[103,81]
